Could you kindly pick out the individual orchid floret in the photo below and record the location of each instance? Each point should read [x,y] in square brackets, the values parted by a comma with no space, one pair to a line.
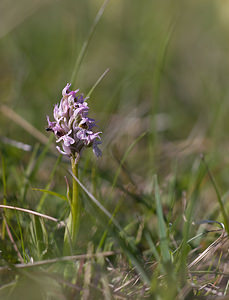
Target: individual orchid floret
[96,149]
[72,126]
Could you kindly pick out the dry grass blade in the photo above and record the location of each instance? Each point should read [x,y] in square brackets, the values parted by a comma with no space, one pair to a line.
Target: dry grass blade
[127,283]
[16,144]
[12,115]
[87,275]
[33,213]
[61,259]
[211,249]
[106,289]
[12,241]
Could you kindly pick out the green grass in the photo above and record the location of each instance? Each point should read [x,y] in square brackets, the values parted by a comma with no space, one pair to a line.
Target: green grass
[154,212]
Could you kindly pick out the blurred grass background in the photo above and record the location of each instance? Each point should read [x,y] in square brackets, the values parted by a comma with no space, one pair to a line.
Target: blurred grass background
[168,77]
[184,92]
[40,41]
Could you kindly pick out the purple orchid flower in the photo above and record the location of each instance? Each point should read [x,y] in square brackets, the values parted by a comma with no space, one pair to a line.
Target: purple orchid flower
[72,126]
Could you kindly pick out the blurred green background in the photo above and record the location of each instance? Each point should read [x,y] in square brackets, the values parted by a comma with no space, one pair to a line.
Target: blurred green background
[40,41]
[168,77]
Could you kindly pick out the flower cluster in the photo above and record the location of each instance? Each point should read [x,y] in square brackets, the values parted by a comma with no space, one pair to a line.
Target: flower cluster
[72,126]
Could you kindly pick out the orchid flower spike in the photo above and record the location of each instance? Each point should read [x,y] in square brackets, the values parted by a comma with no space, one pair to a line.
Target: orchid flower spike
[72,126]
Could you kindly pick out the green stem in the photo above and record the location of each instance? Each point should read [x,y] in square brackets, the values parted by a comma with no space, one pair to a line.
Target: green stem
[72,225]
[75,203]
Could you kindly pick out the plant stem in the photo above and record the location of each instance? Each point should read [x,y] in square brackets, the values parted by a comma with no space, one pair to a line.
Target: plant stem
[75,203]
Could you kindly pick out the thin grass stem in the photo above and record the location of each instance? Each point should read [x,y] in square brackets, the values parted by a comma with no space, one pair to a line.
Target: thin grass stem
[33,213]
[13,242]
[86,42]
[60,259]
[97,82]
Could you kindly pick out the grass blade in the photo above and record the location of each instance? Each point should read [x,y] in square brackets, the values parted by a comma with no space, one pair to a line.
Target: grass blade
[117,232]
[8,112]
[157,77]
[50,193]
[4,195]
[161,225]
[125,157]
[29,211]
[86,42]
[97,82]
[223,211]
[46,190]
[96,202]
